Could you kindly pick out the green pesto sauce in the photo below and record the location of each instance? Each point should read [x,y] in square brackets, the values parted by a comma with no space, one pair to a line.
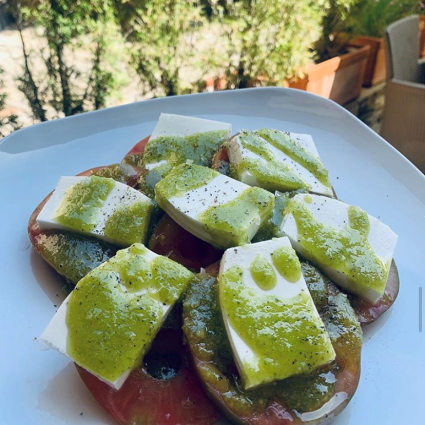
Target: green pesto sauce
[231,221]
[122,173]
[73,255]
[295,151]
[82,202]
[116,310]
[181,179]
[162,278]
[109,328]
[129,224]
[347,251]
[272,174]
[265,322]
[262,273]
[308,199]
[152,177]
[287,263]
[199,148]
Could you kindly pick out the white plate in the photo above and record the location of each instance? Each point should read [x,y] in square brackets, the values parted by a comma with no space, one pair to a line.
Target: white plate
[40,387]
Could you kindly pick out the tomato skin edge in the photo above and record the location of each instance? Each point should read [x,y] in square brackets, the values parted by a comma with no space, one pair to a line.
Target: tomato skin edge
[366,312]
[144,400]
[139,147]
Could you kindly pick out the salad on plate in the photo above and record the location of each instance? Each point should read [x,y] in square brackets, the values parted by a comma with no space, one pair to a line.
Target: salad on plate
[213,274]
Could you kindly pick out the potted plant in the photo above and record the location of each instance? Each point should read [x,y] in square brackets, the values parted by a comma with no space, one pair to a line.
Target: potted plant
[338,70]
[366,25]
[339,78]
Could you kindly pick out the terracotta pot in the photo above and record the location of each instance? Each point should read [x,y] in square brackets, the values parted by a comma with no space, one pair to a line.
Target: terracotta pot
[339,79]
[422,35]
[375,71]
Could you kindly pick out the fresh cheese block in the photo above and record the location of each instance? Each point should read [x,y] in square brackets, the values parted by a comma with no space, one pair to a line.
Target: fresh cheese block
[178,138]
[277,160]
[99,207]
[108,322]
[353,248]
[272,323]
[217,209]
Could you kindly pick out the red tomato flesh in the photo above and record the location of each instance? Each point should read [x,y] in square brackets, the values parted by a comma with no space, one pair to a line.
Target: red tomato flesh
[173,241]
[146,399]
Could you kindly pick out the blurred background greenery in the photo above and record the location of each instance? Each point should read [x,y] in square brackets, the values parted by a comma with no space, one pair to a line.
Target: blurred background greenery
[76,56]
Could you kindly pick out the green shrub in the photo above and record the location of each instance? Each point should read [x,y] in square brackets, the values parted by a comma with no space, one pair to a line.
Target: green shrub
[60,86]
[267,41]
[371,17]
[162,34]
[8,122]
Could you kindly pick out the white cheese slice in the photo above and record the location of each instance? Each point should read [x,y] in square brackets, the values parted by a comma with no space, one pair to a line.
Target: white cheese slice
[334,213]
[120,196]
[170,125]
[186,208]
[182,125]
[237,153]
[247,360]
[57,333]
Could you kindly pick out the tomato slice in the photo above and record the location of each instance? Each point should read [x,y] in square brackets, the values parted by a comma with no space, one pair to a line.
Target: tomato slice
[305,399]
[139,147]
[163,391]
[173,241]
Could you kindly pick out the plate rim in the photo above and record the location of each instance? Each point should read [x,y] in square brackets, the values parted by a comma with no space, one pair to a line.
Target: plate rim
[281,91]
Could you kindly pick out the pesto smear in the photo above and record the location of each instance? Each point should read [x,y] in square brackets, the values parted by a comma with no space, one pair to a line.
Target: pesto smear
[232,220]
[82,202]
[129,224]
[116,310]
[263,273]
[183,178]
[347,251]
[282,141]
[270,173]
[287,264]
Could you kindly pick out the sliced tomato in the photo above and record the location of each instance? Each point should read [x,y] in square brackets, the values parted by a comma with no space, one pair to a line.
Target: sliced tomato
[306,399]
[221,161]
[139,147]
[173,241]
[163,391]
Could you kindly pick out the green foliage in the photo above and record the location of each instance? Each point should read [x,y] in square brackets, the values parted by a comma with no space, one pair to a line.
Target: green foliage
[62,85]
[84,47]
[162,36]
[8,122]
[268,41]
[371,17]
[334,23]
